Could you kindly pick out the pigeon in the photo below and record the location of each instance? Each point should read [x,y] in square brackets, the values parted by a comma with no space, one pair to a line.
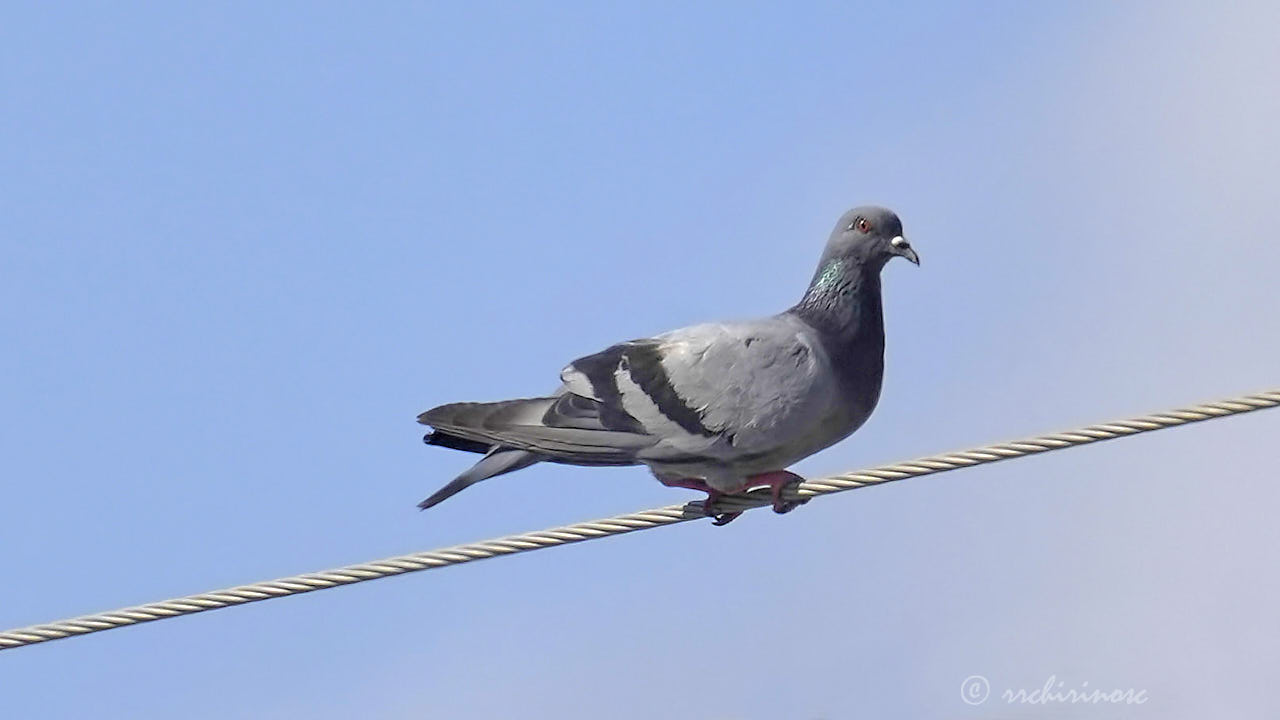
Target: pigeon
[720,408]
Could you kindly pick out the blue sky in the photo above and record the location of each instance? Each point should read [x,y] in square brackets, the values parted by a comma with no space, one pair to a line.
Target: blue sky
[244,246]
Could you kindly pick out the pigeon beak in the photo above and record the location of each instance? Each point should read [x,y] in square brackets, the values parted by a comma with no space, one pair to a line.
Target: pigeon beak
[902,247]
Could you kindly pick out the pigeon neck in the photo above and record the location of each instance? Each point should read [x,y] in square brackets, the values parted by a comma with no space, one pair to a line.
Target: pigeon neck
[843,302]
[843,305]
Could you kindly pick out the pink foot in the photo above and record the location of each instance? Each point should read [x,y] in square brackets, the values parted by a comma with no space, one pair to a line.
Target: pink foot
[712,496]
[777,481]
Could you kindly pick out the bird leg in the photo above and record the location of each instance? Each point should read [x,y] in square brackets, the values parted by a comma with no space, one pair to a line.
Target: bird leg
[712,496]
[778,480]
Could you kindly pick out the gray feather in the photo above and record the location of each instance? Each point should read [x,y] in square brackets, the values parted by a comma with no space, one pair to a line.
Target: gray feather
[535,425]
[497,462]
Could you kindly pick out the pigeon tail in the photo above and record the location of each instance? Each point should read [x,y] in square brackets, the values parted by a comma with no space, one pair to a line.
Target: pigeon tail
[499,461]
[548,426]
[453,442]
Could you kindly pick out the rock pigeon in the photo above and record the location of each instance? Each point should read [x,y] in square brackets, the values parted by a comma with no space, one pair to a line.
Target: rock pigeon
[720,408]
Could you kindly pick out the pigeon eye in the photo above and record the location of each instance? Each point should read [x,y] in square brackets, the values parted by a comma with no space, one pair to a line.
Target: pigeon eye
[861,225]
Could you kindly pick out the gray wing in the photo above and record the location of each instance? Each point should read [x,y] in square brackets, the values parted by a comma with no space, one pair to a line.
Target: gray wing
[563,427]
[716,391]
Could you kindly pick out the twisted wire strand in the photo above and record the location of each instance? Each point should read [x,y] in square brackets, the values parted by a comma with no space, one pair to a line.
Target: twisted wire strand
[621,524]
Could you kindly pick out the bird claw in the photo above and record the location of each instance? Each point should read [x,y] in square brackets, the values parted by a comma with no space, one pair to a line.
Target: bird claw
[713,495]
[778,483]
[782,506]
[720,519]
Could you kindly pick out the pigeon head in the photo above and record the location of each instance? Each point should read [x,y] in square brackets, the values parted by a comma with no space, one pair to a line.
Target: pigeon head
[845,290]
[870,236]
